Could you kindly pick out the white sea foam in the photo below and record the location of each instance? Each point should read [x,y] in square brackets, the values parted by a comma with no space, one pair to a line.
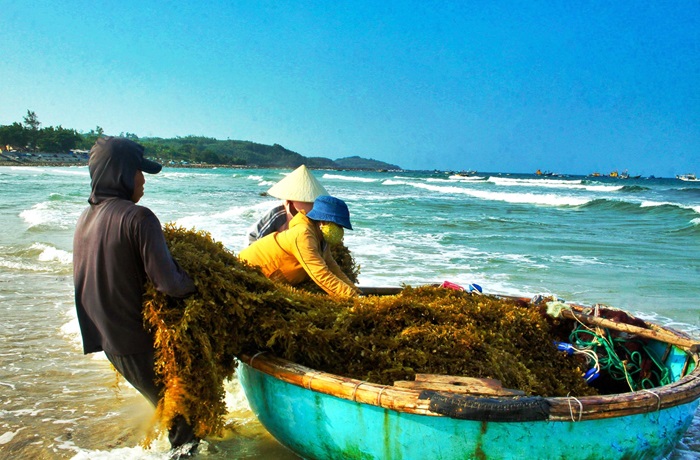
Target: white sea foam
[580,260]
[159,451]
[518,198]
[649,204]
[349,178]
[71,329]
[230,225]
[409,257]
[554,183]
[81,171]
[32,169]
[60,214]
[397,182]
[38,257]
[50,253]
[179,174]
[467,178]
[19,265]
[261,181]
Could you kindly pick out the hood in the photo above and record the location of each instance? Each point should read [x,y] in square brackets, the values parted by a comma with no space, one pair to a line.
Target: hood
[113,164]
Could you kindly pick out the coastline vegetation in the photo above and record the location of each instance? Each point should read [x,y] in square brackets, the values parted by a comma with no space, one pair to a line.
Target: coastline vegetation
[27,142]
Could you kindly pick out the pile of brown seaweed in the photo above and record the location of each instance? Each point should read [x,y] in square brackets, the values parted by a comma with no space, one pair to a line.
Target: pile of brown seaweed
[380,339]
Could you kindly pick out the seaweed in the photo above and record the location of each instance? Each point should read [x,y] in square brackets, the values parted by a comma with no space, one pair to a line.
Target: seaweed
[380,339]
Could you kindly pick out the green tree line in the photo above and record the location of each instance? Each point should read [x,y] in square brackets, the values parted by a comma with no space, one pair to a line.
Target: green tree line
[29,136]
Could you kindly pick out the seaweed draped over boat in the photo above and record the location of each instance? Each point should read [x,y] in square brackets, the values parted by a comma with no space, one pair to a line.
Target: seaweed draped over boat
[379,339]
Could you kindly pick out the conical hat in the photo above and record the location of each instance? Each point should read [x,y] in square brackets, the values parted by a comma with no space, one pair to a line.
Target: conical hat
[299,185]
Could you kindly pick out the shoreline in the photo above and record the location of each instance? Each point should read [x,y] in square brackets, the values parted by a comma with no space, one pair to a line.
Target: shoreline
[193,165]
[4,162]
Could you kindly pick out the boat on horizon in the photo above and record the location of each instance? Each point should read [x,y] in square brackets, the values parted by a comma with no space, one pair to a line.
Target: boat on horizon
[687,177]
[322,416]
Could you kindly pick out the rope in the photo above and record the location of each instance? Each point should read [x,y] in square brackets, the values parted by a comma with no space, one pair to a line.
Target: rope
[658,398]
[571,409]
[355,390]
[255,356]
[311,376]
[619,361]
[379,396]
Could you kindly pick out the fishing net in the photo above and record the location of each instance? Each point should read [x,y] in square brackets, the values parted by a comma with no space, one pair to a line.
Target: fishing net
[380,339]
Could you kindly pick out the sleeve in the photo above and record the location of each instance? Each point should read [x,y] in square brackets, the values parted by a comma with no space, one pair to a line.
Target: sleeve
[306,250]
[163,271]
[267,224]
[335,268]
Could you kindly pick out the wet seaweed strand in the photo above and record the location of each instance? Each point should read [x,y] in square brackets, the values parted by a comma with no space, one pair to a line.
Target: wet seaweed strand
[379,339]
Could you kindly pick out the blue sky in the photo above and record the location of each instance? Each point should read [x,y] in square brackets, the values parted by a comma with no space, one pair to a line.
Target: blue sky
[569,87]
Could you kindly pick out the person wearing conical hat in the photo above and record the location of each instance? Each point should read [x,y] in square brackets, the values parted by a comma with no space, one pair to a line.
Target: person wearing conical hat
[298,190]
[303,252]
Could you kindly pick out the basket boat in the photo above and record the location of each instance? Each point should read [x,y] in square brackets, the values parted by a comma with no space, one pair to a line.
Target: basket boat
[325,416]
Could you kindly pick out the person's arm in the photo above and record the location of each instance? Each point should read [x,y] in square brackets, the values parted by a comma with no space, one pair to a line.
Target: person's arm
[270,222]
[163,271]
[306,250]
[335,268]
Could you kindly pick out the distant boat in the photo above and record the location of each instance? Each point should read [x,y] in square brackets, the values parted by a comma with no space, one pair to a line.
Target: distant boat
[469,173]
[687,177]
[546,173]
[466,176]
[625,175]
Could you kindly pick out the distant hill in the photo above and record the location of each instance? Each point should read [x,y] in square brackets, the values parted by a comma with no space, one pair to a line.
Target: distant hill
[245,153]
[26,143]
[356,162]
[196,149]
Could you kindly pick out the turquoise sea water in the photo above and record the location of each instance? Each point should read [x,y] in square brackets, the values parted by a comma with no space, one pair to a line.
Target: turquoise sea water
[629,243]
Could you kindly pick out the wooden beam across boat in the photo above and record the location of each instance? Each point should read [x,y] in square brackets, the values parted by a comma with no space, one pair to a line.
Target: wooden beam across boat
[654,334]
[458,384]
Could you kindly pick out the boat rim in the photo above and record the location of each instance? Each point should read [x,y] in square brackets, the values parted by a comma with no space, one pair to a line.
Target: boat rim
[508,408]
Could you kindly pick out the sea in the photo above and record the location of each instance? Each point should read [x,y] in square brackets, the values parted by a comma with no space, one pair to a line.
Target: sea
[629,243]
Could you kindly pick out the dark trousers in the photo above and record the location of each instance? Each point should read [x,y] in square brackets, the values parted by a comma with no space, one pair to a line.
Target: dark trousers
[138,370]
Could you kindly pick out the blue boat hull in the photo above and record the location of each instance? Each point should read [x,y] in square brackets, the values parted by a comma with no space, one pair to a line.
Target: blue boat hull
[321,426]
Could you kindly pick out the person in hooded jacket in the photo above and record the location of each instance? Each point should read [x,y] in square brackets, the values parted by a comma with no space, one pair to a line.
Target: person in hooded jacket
[118,246]
[298,189]
[302,251]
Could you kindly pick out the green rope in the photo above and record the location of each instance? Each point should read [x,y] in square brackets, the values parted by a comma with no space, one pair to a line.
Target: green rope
[619,361]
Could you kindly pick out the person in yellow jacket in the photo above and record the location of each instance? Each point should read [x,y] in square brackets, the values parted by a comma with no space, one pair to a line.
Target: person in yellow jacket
[302,251]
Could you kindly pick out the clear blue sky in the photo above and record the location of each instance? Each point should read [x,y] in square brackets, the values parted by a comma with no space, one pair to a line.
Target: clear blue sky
[570,87]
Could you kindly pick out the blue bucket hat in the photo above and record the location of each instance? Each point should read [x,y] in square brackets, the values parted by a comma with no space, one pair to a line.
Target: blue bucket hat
[331,209]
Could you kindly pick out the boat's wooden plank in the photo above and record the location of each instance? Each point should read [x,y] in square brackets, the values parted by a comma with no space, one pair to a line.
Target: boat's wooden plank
[474,386]
[459,389]
[458,380]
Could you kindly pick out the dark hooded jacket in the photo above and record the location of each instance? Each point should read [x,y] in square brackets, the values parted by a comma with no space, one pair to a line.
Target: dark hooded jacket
[117,247]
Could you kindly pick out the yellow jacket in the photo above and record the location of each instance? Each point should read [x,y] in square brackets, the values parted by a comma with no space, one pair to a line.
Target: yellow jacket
[297,254]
